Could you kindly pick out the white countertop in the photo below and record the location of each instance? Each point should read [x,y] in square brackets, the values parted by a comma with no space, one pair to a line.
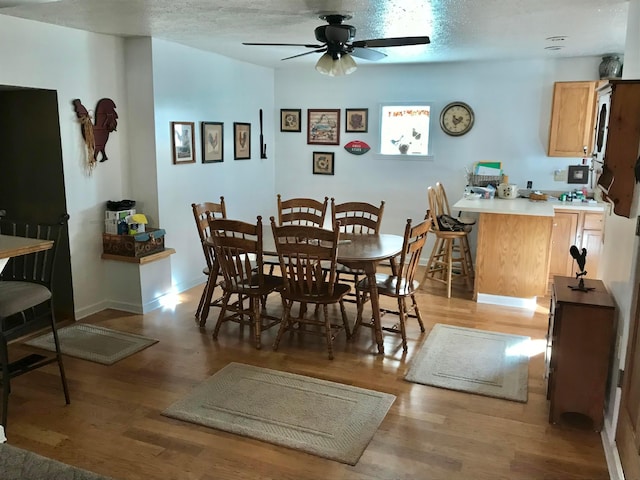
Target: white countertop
[522,206]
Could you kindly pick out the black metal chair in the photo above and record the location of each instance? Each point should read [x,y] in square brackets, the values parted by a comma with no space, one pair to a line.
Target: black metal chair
[26,302]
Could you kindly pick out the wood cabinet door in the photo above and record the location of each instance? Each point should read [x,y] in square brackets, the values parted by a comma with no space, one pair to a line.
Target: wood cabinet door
[565,228]
[572,119]
[592,241]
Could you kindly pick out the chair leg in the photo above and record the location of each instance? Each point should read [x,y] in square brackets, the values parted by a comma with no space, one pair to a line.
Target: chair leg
[56,341]
[449,247]
[223,310]
[6,382]
[327,328]
[201,302]
[417,310]
[345,320]
[286,319]
[402,317]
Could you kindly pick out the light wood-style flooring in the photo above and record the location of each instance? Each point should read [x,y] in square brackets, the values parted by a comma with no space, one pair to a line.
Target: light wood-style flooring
[114,424]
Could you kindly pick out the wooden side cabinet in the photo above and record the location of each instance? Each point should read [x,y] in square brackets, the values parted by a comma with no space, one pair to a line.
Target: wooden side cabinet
[580,228]
[572,119]
[579,344]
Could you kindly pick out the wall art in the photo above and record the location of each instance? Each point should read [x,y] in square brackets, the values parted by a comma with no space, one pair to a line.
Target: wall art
[241,141]
[212,134]
[183,142]
[323,163]
[323,127]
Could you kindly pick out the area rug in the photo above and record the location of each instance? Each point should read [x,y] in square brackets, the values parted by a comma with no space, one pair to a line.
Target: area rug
[475,361]
[19,464]
[97,344]
[327,419]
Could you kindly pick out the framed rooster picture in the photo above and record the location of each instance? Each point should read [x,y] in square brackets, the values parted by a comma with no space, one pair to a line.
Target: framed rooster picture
[241,141]
[183,143]
[212,142]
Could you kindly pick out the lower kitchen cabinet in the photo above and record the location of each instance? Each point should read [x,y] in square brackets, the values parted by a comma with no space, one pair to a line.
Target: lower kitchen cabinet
[579,345]
[581,228]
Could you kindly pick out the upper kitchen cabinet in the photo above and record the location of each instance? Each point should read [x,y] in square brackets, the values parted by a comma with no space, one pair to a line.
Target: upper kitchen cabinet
[617,141]
[572,119]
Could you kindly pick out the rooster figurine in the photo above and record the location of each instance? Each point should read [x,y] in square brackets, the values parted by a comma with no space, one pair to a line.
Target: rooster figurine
[96,135]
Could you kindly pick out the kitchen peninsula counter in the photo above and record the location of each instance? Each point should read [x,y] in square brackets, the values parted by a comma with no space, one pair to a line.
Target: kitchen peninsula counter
[514,247]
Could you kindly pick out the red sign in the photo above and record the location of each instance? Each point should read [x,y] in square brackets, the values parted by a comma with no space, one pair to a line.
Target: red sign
[357,147]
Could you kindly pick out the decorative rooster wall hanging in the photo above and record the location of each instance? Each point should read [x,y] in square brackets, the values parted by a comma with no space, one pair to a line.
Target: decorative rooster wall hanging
[96,135]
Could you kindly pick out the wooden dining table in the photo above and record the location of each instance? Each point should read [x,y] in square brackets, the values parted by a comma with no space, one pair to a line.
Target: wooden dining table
[13,246]
[357,251]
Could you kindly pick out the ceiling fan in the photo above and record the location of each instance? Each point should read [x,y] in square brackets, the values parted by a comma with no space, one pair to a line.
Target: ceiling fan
[338,45]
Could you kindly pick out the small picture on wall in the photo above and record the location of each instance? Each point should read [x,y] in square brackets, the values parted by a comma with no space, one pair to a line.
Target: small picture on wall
[212,142]
[357,120]
[183,142]
[290,120]
[241,141]
[323,163]
[323,127]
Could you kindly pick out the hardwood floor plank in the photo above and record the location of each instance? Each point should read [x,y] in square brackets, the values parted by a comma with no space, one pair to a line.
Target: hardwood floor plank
[114,424]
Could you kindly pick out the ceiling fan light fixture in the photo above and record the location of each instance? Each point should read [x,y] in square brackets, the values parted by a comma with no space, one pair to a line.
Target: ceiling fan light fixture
[343,65]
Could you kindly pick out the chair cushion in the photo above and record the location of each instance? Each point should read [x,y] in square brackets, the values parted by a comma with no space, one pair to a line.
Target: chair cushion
[16,297]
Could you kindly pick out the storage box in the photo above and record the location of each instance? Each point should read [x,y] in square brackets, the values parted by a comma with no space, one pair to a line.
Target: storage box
[118,215]
[138,245]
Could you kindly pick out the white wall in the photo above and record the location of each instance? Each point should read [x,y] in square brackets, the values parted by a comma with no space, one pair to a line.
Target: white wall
[512,105]
[193,85]
[86,66]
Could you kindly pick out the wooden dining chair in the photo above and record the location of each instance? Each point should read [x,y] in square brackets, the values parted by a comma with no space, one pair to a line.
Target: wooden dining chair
[358,218]
[239,252]
[450,256]
[308,260]
[202,212]
[27,303]
[298,211]
[400,284]
[302,211]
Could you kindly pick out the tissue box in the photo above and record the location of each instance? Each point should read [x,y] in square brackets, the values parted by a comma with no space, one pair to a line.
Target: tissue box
[138,245]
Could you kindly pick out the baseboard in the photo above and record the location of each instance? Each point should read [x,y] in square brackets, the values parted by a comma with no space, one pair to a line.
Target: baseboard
[91,309]
[611,454]
[528,303]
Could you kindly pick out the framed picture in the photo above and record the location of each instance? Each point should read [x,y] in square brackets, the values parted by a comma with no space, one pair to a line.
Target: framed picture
[578,174]
[290,120]
[323,163]
[212,142]
[357,120]
[323,127]
[241,141]
[183,143]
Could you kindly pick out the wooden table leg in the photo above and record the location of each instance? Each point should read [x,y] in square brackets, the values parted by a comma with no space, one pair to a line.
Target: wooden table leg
[370,270]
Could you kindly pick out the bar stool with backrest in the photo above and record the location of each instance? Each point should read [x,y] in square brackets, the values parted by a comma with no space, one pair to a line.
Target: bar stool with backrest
[450,254]
[308,260]
[469,221]
[401,283]
[202,212]
[238,250]
[27,303]
[359,218]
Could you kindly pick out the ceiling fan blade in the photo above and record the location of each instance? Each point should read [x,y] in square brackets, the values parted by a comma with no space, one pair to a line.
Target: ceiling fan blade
[391,42]
[285,44]
[368,54]
[306,53]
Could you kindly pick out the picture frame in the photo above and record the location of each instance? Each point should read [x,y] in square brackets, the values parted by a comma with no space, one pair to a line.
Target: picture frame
[212,140]
[323,126]
[578,174]
[241,141]
[323,163]
[290,120]
[356,120]
[183,142]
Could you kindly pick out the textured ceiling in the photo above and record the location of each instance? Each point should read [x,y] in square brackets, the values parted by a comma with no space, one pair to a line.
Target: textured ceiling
[460,30]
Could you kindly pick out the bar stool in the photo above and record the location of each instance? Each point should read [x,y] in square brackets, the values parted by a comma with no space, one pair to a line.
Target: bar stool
[451,255]
[469,221]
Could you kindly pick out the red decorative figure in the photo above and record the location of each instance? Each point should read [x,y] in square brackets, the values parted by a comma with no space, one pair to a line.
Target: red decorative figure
[96,135]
